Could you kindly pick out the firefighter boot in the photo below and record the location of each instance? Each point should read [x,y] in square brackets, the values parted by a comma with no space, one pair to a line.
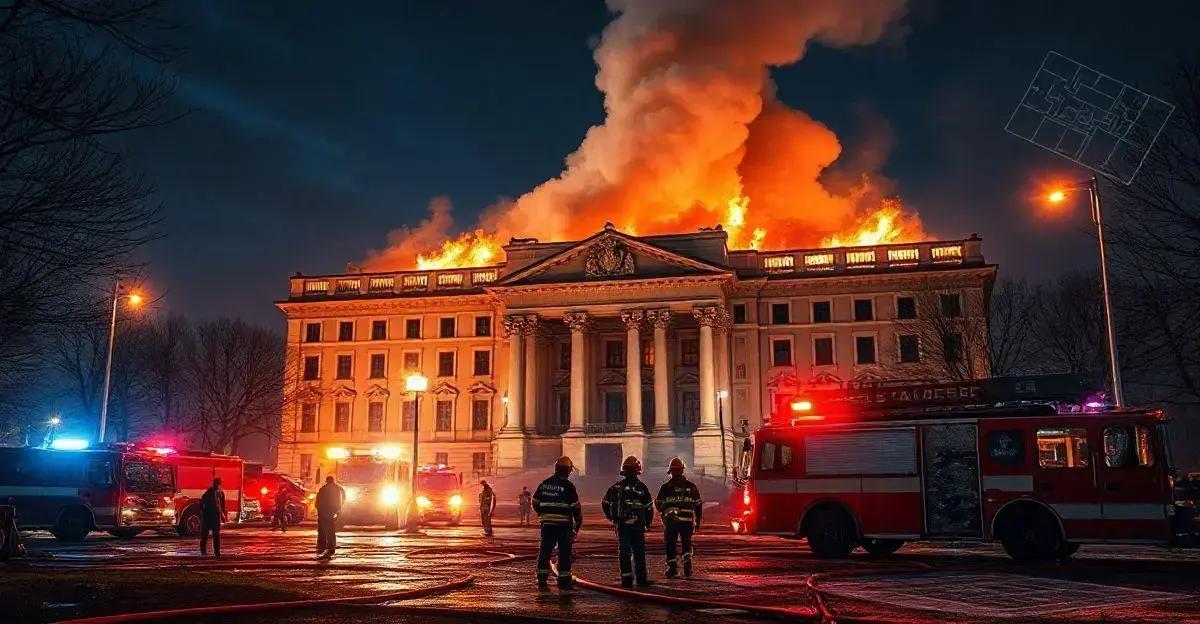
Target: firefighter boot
[627,582]
[566,581]
[543,579]
[672,570]
[687,566]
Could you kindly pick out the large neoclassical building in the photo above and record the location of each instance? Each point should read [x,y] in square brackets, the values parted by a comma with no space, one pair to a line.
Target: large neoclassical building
[614,345]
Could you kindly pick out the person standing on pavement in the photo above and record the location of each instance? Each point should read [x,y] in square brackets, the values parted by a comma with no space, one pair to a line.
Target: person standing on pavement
[487,507]
[681,509]
[330,498]
[212,514]
[525,504]
[628,505]
[280,517]
[556,503]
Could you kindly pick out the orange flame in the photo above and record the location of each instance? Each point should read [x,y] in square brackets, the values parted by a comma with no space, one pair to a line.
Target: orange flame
[470,249]
[890,223]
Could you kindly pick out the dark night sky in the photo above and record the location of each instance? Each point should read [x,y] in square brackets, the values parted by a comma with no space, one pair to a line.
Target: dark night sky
[317,128]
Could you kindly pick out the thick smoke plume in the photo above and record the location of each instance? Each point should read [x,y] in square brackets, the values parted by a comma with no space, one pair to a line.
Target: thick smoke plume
[694,136]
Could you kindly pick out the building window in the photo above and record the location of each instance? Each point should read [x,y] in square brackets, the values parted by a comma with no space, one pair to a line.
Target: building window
[647,354]
[408,416]
[345,367]
[483,326]
[823,351]
[312,332]
[345,331]
[412,363]
[446,364]
[906,308]
[447,327]
[1062,448]
[441,459]
[864,349]
[689,408]
[864,310]
[739,313]
[412,329]
[614,407]
[781,352]
[781,314]
[951,305]
[483,363]
[952,347]
[564,356]
[378,330]
[378,366]
[305,465]
[614,354]
[822,312]
[481,411]
[689,351]
[910,349]
[341,417]
[375,417]
[479,464]
[312,367]
[308,418]
[445,416]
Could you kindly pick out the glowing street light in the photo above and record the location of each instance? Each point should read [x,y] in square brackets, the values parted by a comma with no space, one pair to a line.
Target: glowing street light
[1093,190]
[134,299]
[415,383]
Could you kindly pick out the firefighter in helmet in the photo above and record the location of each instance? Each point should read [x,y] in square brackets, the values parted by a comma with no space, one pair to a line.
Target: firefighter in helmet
[557,505]
[680,507]
[628,505]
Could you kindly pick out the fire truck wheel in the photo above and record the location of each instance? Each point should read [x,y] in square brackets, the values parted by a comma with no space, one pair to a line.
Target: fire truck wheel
[73,526]
[881,547]
[1031,534]
[830,533]
[189,524]
[125,533]
[1068,549]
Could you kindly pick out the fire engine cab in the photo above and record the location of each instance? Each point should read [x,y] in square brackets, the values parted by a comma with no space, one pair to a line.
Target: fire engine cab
[1018,460]
[194,473]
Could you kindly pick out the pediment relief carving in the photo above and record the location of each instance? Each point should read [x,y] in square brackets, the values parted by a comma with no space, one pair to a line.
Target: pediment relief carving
[378,391]
[343,392]
[481,387]
[445,387]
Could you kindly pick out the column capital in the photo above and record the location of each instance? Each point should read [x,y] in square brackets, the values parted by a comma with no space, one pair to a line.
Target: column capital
[711,316]
[633,319]
[661,319]
[520,324]
[577,321]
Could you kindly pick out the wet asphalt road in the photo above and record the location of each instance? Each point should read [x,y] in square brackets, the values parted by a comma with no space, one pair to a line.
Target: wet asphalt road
[955,583]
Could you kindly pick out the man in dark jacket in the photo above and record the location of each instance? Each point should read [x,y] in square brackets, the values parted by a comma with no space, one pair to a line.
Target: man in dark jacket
[557,505]
[628,505]
[330,498]
[282,501]
[681,509]
[487,507]
[212,514]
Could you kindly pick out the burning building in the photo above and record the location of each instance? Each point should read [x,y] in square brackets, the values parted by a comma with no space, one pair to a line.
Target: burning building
[655,346]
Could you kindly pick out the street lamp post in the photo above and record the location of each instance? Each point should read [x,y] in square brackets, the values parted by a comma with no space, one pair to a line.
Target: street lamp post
[1093,190]
[415,383]
[134,301]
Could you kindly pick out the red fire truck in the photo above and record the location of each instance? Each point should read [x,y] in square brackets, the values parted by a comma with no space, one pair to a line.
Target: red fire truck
[1011,459]
[74,492]
[194,473]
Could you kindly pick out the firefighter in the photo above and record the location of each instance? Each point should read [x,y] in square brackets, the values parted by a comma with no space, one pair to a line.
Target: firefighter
[487,507]
[330,498]
[680,508]
[525,504]
[212,514]
[628,505]
[557,505]
[282,501]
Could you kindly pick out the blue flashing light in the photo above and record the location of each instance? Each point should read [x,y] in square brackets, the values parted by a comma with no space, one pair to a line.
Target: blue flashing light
[69,444]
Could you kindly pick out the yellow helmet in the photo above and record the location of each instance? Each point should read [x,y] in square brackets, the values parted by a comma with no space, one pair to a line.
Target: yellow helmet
[564,462]
[632,464]
[676,466]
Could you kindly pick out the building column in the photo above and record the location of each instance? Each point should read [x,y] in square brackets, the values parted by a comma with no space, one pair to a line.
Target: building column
[579,324]
[514,420]
[709,318]
[532,328]
[633,369]
[662,381]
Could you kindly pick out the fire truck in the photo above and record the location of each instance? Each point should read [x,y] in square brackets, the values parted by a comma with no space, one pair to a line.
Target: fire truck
[194,473]
[74,492]
[1030,462]
[375,482]
[439,495]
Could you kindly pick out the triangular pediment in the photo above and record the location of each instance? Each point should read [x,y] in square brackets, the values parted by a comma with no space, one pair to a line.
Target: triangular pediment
[343,392]
[481,387]
[611,255]
[377,391]
[445,387]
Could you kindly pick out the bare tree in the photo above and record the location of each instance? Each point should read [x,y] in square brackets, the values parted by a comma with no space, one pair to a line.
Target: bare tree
[237,380]
[1011,312]
[1069,326]
[168,349]
[949,338]
[71,210]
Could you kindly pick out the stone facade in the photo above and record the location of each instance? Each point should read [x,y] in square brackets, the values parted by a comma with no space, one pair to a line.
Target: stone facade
[534,358]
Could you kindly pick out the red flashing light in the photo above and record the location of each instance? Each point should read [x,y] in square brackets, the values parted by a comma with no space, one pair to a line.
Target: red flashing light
[802,405]
[264,491]
[746,498]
